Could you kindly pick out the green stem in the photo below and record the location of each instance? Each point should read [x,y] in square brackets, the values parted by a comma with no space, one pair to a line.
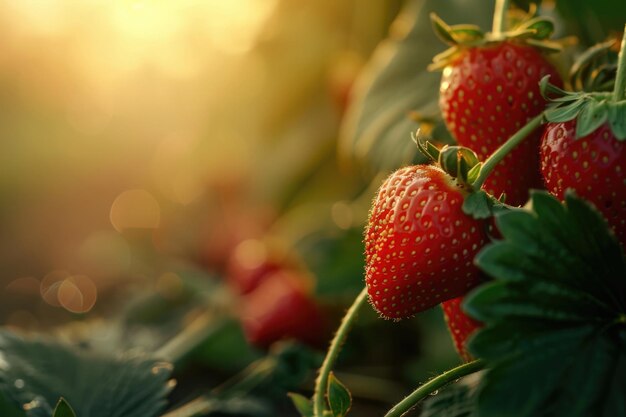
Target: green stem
[504,150]
[499,17]
[619,91]
[321,384]
[433,385]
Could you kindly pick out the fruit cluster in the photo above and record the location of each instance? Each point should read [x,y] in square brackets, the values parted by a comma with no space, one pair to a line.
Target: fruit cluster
[501,96]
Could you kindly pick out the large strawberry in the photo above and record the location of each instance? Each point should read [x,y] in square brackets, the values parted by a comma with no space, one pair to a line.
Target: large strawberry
[419,243]
[584,147]
[460,325]
[489,90]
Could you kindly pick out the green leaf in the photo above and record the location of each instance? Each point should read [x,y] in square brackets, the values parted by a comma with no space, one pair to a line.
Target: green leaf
[617,119]
[555,333]
[63,409]
[478,205]
[303,404]
[339,398]
[377,127]
[35,373]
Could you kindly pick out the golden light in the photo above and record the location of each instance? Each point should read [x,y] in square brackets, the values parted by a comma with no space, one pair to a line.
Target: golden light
[135,209]
[77,294]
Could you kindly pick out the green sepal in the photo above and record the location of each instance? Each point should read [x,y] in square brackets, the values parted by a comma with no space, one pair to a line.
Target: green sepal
[617,119]
[591,110]
[303,404]
[472,174]
[457,161]
[478,205]
[541,27]
[339,397]
[545,46]
[442,30]
[427,149]
[63,409]
[592,115]
[466,34]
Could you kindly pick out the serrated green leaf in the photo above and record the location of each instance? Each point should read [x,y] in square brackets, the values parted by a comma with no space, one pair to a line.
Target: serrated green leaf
[303,404]
[478,205]
[376,129]
[38,372]
[63,409]
[339,398]
[554,329]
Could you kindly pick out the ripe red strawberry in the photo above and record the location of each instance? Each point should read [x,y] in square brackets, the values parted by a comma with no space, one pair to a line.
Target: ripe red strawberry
[280,308]
[583,146]
[419,244]
[488,91]
[460,325]
[593,165]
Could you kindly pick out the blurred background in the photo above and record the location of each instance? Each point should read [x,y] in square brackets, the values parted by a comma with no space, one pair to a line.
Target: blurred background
[192,178]
[129,121]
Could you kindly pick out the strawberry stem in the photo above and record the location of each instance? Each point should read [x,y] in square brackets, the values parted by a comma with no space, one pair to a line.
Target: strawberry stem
[504,150]
[433,385]
[499,17]
[619,91]
[321,384]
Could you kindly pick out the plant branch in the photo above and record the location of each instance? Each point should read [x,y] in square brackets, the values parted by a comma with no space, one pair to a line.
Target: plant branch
[504,150]
[433,385]
[321,384]
[619,91]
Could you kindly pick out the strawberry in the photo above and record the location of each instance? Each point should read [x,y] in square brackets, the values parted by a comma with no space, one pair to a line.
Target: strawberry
[489,90]
[594,165]
[583,145]
[460,325]
[280,308]
[419,243]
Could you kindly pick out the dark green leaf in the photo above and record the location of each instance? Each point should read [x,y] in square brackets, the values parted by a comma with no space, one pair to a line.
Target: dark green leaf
[478,205]
[303,404]
[542,27]
[35,373]
[395,83]
[554,335]
[339,398]
[442,30]
[63,409]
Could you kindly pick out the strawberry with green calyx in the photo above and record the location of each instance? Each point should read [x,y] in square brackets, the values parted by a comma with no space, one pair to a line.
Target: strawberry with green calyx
[460,325]
[419,243]
[489,90]
[426,225]
[584,146]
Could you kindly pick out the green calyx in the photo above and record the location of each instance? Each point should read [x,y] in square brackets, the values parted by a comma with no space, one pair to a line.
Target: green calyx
[530,29]
[459,162]
[591,109]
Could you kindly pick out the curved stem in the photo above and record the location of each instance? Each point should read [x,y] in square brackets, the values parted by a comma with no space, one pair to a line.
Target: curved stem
[321,384]
[433,385]
[619,91]
[499,17]
[504,150]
